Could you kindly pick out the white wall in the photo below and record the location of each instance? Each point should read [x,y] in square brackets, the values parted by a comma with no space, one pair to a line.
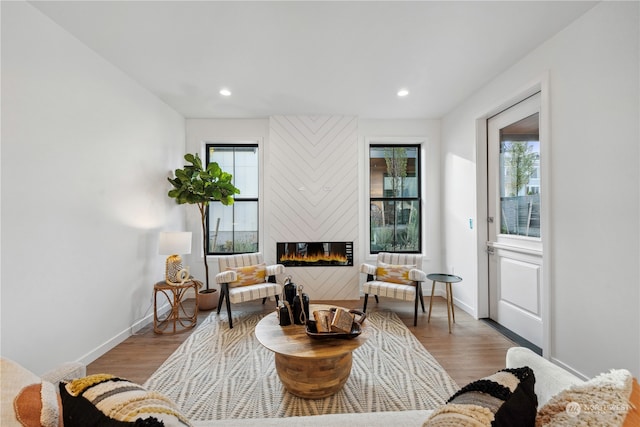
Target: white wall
[85,156]
[593,230]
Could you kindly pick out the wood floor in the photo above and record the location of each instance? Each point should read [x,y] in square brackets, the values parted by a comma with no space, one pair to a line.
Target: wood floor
[473,349]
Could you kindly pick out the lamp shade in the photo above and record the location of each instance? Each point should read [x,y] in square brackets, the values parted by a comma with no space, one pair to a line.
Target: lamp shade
[174,243]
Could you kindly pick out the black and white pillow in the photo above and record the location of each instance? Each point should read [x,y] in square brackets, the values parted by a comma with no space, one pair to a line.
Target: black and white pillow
[506,398]
[107,401]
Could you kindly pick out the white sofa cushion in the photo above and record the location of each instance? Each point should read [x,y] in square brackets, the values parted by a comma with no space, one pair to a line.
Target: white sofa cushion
[550,379]
[414,418]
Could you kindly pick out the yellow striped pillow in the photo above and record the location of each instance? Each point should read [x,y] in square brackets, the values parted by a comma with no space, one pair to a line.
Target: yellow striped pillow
[394,273]
[249,275]
[105,400]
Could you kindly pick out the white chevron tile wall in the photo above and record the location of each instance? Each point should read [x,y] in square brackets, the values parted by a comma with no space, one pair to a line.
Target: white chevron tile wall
[311,194]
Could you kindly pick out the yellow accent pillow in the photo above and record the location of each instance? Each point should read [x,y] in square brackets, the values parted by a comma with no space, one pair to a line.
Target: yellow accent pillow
[394,273]
[250,275]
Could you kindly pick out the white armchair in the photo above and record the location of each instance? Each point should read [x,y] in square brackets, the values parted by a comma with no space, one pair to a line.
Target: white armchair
[396,276]
[246,277]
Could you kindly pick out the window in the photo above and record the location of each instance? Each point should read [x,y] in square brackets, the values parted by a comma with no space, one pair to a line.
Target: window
[394,198]
[520,178]
[234,229]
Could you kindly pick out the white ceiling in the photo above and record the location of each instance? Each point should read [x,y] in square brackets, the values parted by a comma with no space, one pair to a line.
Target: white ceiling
[324,57]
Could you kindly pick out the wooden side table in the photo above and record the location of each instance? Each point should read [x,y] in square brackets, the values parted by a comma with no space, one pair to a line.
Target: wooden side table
[178,316]
[447,279]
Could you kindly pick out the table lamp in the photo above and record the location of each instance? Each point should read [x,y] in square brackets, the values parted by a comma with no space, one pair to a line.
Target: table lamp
[174,244]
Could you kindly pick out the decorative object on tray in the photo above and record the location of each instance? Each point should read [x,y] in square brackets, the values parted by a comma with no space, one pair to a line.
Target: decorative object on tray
[342,320]
[323,327]
[323,320]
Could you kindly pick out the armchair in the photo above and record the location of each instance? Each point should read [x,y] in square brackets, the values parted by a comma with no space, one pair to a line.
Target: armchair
[396,276]
[246,277]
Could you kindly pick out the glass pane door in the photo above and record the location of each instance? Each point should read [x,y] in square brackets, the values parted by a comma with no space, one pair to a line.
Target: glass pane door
[520,178]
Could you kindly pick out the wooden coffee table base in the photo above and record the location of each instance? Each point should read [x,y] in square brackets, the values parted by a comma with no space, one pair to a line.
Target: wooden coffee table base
[313,378]
[308,368]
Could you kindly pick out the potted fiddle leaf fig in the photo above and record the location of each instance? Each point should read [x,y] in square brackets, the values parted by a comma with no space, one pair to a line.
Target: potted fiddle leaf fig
[200,186]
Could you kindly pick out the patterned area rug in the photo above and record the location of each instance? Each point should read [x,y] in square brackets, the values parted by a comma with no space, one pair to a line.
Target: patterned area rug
[221,373]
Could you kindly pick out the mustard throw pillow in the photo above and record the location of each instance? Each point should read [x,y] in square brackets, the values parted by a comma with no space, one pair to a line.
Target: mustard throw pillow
[250,275]
[394,273]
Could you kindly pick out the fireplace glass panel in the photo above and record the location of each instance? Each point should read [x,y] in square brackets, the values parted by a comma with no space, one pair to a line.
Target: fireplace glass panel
[315,254]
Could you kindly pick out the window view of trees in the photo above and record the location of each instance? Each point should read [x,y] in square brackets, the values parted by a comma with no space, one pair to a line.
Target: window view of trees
[394,198]
[519,180]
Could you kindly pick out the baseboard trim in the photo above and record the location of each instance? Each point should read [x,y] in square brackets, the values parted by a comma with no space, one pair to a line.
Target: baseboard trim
[120,337]
[464,307]
[147,320]
[513,336]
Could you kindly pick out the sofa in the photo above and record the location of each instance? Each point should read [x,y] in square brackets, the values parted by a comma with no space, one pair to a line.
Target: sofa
[551,383]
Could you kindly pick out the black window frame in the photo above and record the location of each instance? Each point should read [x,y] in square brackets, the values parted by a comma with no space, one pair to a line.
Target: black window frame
[383,199]
[238,198]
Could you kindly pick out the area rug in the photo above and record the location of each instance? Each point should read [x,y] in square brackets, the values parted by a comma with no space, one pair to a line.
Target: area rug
[221,373]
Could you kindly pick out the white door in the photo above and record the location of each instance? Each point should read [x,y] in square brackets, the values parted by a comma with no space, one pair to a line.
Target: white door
[515,232]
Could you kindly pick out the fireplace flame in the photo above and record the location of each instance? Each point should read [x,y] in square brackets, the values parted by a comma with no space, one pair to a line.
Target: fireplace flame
[331,258]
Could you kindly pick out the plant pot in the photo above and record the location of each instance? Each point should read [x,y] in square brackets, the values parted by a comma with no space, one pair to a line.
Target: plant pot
[208,299]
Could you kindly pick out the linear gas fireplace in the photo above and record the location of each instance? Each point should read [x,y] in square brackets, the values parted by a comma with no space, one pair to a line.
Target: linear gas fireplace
[315,254]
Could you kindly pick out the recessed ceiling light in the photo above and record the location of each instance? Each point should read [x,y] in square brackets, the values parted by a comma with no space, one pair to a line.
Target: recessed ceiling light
[225,92]
[403,92]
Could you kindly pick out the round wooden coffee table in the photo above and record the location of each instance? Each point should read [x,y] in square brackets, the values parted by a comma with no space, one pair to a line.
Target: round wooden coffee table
[308,368]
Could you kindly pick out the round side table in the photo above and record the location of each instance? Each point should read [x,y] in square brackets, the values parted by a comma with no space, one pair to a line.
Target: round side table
[447,279]
[178,316]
